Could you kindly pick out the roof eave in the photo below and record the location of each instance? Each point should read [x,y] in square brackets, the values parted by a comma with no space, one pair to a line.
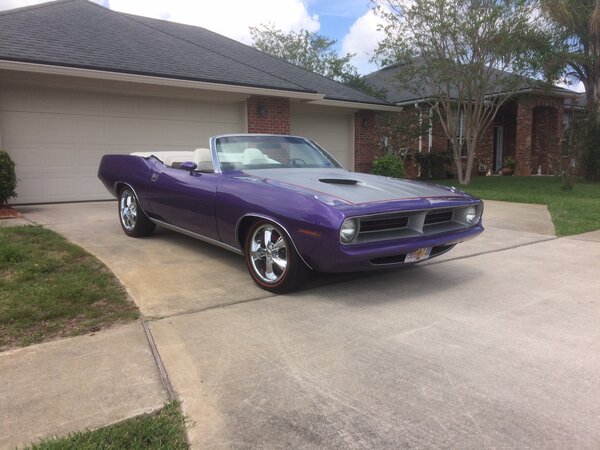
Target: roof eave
[49,69]
[358,105]
[539,91]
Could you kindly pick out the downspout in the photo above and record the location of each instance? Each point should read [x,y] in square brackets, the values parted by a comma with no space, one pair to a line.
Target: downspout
[420,137]
[430,130]
[420,127]
[1,95]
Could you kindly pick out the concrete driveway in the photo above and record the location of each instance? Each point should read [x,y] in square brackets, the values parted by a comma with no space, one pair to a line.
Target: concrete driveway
[493,345]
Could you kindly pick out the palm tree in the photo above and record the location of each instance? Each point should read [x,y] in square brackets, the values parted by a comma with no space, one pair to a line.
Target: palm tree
[579,21]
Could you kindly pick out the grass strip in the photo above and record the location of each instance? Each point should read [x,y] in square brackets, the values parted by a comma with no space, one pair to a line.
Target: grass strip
[162,430]
[51,288]
[573,212]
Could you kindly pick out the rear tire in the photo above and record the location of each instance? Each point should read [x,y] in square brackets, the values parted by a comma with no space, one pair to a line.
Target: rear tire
[272,260]
[133,220]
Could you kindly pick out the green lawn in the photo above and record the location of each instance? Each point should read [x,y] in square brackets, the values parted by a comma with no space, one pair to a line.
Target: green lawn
[51,288]
[573,212]
[163,430]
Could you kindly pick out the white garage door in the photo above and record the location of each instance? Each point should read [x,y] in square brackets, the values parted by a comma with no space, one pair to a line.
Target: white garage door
[332,128]
[56,137]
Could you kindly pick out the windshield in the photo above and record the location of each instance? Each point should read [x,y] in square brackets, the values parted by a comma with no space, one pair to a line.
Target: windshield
[270,152]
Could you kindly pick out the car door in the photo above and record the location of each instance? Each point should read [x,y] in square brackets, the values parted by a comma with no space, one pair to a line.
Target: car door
[184,199]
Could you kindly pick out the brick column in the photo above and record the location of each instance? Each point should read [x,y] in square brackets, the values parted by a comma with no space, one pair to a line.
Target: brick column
[523,136]
[269,115]
[366,148]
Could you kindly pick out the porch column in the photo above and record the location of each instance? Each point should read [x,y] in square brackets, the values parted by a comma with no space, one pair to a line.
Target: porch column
[523,136]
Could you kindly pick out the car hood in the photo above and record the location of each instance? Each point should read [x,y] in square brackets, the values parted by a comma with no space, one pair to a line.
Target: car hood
[351,187]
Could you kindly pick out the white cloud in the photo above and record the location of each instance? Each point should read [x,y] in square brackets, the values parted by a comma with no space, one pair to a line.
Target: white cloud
[230,18]
[362,39]
[577,86]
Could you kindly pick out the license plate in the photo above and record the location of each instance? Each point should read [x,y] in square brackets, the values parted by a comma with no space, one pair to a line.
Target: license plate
[418,255]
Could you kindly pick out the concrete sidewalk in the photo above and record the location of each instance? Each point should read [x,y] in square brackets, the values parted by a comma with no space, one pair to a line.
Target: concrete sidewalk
[76,383]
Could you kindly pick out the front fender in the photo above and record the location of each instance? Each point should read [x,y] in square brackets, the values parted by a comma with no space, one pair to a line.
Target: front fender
[305,218]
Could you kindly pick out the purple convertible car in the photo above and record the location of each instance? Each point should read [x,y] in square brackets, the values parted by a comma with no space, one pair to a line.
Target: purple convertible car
[288,206]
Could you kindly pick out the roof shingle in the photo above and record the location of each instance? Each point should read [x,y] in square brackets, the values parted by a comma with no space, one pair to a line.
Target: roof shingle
[78,33]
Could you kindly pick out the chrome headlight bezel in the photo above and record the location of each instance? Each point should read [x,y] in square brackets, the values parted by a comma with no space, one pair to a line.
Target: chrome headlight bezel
[348,230]
[471,215]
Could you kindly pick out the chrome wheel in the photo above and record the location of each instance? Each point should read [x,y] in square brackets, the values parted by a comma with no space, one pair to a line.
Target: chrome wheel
[268,253]
[128,210]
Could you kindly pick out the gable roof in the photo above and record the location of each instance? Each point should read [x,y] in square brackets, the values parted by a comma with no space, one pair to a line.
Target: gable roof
[82,34]
[386,79]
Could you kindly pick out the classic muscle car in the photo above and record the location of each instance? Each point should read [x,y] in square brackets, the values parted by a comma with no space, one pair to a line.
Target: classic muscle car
[288,206]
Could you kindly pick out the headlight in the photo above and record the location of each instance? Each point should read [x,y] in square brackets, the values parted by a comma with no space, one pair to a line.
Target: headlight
[348,230]
[471,215]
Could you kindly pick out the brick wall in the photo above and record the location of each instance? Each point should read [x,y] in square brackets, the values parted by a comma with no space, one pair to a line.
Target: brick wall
[366,147]
[268,115]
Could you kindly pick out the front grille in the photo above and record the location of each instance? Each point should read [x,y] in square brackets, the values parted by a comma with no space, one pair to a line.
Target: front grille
[410,224]
[392,223]
[435,217]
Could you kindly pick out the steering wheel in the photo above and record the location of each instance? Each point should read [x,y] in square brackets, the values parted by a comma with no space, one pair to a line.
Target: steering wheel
[297,161]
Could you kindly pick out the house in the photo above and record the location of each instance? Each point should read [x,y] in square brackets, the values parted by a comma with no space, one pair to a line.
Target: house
[528,128]
[78,81]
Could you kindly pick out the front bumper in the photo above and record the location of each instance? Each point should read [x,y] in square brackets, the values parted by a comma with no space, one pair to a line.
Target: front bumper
[383,254]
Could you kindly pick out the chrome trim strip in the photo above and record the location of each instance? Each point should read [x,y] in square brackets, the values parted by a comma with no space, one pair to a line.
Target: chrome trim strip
[134,193]
[212,144]
[260,216]
[200,237]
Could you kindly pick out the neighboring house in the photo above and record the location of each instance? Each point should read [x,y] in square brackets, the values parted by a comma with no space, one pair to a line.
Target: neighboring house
[528,128]
[78,81]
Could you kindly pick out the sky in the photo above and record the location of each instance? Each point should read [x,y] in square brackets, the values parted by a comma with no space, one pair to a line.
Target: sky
[350,22]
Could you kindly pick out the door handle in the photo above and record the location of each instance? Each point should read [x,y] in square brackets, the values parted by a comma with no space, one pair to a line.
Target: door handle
[154,177]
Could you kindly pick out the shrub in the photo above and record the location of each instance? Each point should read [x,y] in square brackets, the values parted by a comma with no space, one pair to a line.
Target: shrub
[434,165]
[388,166]
[583,145]
[8,178]
[591,153]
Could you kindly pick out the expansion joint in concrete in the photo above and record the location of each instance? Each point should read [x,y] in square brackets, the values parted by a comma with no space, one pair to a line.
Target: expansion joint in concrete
[162,371]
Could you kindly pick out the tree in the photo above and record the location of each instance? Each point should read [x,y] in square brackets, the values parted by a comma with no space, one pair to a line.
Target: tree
[313,52]
[577,22]
[305,49]
[465,58]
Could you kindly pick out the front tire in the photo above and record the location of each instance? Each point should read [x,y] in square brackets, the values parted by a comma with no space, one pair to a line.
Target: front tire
[134,221]
[272,260]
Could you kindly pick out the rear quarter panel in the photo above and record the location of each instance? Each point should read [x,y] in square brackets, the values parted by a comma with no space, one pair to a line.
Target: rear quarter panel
[134,171]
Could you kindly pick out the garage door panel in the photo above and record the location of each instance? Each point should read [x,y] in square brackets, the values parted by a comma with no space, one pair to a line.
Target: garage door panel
[62,186]
[44,100]
[332,129]
[57,137]
[32,128]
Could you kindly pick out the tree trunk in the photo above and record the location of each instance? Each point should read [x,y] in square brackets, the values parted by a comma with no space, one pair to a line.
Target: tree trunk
[594,50]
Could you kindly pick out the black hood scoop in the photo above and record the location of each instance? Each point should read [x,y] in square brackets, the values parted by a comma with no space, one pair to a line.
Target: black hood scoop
[345,181]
